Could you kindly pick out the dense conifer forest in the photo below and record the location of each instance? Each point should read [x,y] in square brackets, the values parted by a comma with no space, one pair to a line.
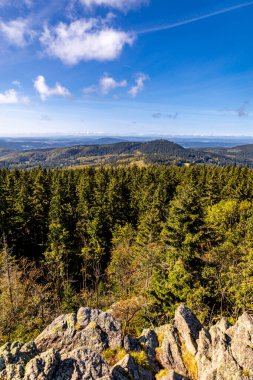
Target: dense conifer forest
[137,240]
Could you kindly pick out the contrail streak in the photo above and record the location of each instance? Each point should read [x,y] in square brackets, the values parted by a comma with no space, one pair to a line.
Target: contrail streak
[194,19]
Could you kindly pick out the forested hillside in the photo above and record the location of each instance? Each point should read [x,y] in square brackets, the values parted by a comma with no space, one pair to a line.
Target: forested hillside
[94,155]
[162,152]
[141,239]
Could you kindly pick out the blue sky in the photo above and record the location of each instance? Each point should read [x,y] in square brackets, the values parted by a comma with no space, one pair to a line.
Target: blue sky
[126,67]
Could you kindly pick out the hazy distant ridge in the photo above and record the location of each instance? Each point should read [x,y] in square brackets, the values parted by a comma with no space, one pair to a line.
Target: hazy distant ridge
[124,153]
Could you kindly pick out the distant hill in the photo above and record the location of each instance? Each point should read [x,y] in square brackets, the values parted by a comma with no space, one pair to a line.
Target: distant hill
[29,143]
[124,153]
[5,151]
[117,153]
[242,151]
[241,155]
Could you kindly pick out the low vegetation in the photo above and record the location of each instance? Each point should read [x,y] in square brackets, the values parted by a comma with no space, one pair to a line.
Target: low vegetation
[141,359]
[161,374]
[113,356]
[190,363]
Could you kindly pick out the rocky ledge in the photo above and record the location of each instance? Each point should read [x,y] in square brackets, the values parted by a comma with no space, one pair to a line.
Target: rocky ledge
[89,345]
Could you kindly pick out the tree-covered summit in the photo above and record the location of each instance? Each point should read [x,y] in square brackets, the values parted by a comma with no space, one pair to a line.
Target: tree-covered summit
[124,153]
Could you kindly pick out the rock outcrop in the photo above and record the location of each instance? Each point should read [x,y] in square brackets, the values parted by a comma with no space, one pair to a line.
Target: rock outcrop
[88,328]
[74,347]
[127,369]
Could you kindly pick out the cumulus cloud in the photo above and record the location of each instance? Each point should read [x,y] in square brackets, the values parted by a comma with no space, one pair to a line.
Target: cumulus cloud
[12,97]
[108,83]
[139,84]
[16,32]
[84,40]
[45,91]
[117,4]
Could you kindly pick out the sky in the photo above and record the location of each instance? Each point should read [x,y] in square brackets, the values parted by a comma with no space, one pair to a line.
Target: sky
[126,67]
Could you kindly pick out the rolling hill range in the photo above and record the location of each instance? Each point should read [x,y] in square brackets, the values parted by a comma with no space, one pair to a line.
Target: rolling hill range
[125,153]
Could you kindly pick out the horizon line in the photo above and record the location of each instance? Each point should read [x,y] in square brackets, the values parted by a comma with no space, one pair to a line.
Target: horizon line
[101,136]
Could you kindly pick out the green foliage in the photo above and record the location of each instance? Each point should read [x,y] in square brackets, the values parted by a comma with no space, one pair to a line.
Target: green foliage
[70,301]
[121,271]
[98,237]
[183,228]
[113,355]
[141,358]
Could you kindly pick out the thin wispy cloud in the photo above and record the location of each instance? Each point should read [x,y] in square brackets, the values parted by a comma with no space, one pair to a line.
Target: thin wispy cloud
[139,84]
[243,110]
[117,4]
[194,19]
[161,115]
[4,3]
[16,83]
[45,117]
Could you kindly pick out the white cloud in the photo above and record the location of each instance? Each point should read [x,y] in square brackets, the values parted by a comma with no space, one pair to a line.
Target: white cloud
[45,91]
[16,32]
[84,40]
[139,84]
[108,84]
[12,97]
[118,4]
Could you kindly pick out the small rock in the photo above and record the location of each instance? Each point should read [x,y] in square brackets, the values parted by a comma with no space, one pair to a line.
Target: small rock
[242,342]
[91,329]
[43,366]
[171,354]
[59,334]
[83,365]
[149,341]
[131,344]
[79,365]
[127,368]
[223,364]
[189,328]
[223,324]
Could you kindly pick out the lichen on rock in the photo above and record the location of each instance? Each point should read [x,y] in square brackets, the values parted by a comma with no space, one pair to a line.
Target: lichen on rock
[88,345]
